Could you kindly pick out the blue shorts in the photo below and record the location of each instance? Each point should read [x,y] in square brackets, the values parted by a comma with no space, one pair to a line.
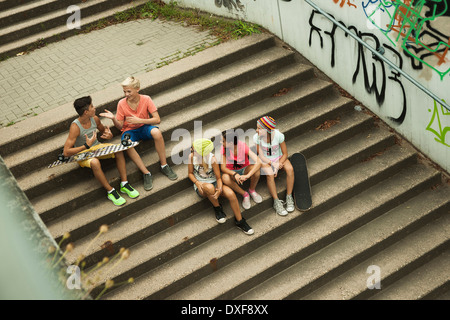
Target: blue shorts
[141,133]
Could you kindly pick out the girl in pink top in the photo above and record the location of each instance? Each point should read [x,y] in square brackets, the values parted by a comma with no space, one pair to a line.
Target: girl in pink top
[236,167]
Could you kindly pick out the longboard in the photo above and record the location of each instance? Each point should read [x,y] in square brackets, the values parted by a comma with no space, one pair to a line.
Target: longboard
[85,155]
[302,187]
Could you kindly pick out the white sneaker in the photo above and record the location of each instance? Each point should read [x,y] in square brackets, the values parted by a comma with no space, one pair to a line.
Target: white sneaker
[279,208]
[246,203]
[255,196]
[290,206]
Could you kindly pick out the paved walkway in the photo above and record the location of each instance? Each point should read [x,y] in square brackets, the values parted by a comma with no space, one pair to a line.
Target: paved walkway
[81,65]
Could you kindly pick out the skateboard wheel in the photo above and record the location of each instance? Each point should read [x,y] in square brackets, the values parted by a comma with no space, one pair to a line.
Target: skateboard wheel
[126,141]
[61,157]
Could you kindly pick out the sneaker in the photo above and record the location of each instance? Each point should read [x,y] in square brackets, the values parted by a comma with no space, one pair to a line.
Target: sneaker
[255,196]
[220,215]
[148,181]
[243,225]
[246,203]
[290,206]
[279,208]
[129,190]
[169,173]
[115,197]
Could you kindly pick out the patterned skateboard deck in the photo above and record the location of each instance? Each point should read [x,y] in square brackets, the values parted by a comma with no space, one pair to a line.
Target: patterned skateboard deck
[85,155]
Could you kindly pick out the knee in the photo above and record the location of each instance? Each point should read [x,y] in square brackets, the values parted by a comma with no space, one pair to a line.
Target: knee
[267,171]
[228,193]
[95,164]
[226,179]
[156,134]
[289,169]
[208,188]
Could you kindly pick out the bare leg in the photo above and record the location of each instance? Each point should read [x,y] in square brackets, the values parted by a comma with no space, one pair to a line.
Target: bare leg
[136,158]
[99,174]
[228,193]
[121,166]
[290,178]
[254,178]
[159,145]
[270,180]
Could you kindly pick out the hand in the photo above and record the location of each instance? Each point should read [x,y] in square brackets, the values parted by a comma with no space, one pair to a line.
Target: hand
[90,141]
[107,114]
[133,120]
[217,193]
[277,166]
[240,179]
[107,134]
[199,187]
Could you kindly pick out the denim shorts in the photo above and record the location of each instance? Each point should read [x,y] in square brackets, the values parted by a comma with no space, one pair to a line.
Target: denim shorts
[240,171]
[141,133]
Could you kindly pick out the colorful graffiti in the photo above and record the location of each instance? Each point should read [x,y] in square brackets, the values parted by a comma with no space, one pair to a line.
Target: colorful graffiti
[342,3]
[435,125]
[377,78]
[417,26]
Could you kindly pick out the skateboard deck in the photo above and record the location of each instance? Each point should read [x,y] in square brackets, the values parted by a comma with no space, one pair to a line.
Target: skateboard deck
[85,155]
[302,187]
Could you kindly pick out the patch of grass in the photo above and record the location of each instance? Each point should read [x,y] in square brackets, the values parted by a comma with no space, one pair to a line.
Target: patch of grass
[222,28]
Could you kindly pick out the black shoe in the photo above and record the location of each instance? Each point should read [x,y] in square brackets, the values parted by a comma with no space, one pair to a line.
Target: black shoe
[221,217]
[243,225]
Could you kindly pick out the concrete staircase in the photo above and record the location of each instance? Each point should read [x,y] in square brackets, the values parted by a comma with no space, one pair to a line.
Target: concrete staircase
[28,23]
[376,202]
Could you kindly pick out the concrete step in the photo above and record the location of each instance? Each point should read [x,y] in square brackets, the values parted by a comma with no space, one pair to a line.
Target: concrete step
[32,10]
[8,4]
[138,227]
[429,281]
[396,263]
[47,22]
[403,224]
[178,273]
[308,237]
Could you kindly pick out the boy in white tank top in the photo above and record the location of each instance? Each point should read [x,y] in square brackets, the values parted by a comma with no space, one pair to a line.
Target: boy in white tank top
[83,136]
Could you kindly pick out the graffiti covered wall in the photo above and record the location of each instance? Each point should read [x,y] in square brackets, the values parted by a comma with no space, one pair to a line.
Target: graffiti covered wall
[413,34]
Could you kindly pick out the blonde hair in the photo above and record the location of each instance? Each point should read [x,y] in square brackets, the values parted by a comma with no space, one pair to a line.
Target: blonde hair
[131,82]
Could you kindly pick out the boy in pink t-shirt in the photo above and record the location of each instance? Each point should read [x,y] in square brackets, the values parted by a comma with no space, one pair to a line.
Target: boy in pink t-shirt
[137,116]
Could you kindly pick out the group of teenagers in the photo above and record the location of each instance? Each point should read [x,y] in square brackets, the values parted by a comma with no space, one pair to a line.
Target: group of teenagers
[137,116]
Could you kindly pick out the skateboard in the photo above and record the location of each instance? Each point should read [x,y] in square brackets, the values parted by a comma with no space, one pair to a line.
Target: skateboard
[124,144]
[302,187]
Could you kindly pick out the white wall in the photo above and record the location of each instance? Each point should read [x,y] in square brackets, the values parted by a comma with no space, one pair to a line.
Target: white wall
[391,96]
